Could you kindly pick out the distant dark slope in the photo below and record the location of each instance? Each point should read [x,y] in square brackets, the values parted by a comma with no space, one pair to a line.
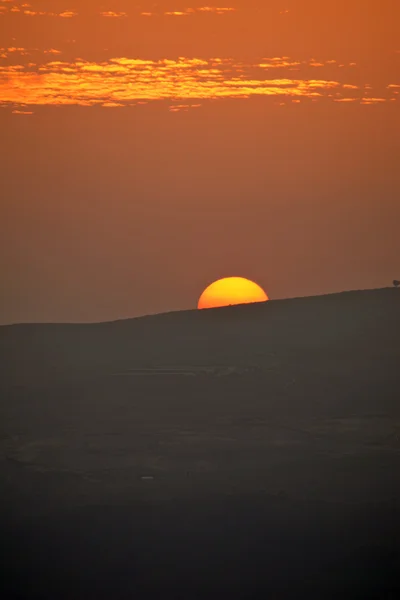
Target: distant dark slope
[274,482]
[360,326]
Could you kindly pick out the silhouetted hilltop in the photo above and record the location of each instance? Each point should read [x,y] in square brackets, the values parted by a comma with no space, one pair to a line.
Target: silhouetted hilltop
[361,325]
[246,452]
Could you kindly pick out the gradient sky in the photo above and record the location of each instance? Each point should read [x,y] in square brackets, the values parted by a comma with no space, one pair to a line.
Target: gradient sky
[149,148]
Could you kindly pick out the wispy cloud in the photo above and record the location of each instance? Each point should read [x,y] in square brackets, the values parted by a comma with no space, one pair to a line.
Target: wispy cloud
[373,100]
[186,12]
[214,9]
[22,112]
[30,10]
[183,107]
[26,9]
[126,81]
[113,15]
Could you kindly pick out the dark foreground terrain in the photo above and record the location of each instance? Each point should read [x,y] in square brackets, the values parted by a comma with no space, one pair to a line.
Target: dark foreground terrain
[247,452]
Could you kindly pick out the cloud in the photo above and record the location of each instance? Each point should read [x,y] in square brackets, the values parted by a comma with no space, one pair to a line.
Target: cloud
[13,53]
[373,100]
[13,50]
[183,107]
[112,14]
[27,10]
[126,81]
[186,12]
[22,112]
[67,14]
[214,9]
[286,61]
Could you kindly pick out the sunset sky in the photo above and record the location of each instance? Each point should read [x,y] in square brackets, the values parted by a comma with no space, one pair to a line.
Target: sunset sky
[149,148]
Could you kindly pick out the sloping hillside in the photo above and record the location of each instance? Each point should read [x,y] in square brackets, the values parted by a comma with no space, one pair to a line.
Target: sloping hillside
[246,452]
[363,325]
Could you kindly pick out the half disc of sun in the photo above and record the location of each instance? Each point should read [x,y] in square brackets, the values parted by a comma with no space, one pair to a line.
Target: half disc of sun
[231,290]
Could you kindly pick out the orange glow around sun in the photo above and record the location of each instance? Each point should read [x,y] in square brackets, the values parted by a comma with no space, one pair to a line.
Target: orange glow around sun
[231,290]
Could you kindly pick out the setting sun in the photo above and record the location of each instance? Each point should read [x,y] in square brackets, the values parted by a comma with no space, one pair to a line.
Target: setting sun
[231,290]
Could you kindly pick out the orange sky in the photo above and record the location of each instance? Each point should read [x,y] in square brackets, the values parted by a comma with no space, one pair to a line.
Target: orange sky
[150,148]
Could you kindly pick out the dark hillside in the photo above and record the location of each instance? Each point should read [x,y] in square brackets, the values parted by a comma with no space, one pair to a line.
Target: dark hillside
[246,452]
[347,323]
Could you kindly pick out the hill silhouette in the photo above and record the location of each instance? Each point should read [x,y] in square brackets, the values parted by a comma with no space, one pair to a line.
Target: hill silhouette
[247,452]
[346,322]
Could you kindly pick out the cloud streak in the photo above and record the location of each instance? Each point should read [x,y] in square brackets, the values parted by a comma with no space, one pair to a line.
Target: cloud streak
[213,10]
[27,9]
[127,81]
[113,15]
